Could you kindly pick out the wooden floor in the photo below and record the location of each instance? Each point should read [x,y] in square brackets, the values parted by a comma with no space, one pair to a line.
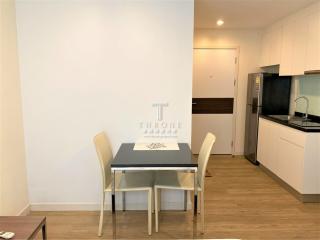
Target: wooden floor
[241,202]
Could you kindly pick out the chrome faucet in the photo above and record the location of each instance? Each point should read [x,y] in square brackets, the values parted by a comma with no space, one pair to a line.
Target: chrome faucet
[307,107]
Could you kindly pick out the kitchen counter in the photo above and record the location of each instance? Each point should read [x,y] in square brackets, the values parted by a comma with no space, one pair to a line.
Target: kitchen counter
[291,156]
[305,127]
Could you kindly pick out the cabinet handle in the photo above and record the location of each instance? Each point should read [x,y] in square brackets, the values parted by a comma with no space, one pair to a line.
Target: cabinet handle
[309,72]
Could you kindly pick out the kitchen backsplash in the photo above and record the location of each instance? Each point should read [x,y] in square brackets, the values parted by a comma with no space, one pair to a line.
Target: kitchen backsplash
[309,86]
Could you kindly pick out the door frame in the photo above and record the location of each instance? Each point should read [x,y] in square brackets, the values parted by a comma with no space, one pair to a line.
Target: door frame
[235,94]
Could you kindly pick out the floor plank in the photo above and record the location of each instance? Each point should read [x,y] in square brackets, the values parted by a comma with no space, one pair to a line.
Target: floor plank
[241,202]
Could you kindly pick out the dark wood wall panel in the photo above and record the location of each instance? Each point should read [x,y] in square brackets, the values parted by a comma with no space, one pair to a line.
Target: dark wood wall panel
[212,105]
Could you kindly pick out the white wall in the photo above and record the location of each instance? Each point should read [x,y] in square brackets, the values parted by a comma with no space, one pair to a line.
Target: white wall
[13,179]
[88,66]
[248,42]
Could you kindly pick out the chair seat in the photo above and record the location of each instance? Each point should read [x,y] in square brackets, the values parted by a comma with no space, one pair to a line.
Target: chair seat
[175,180]
[133,181]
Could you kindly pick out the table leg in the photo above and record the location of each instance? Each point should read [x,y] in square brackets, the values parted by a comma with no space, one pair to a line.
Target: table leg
[113,197]
[113,202]
[195,192]
[114,227]
[44,231]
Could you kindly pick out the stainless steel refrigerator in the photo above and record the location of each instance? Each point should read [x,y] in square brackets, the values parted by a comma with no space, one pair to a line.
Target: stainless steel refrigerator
[267,94]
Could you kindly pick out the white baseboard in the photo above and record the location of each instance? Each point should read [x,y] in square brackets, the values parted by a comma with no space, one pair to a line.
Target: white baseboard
[25,211]
[64,207]
[96,206]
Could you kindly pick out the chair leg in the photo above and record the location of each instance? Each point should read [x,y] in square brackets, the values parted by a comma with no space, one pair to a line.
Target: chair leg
[202,212]
[159,199]
[152,201]
[185,200]
[123,197]
[123,201]
[149,212]
[156,198]
[101,215]
[199,202]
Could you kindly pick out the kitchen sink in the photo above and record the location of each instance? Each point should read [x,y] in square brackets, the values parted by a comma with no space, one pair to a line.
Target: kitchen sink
[284,117]
[305,123]
[298,121]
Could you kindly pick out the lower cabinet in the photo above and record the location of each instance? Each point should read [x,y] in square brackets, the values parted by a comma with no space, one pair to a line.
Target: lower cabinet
[290,163]
[290,154]
[267,145]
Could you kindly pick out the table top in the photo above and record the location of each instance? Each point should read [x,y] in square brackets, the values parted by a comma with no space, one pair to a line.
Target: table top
[24,227]
[126,157]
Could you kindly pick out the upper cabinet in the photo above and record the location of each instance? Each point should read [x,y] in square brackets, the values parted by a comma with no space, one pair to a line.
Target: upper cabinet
[293,49]
[271,47]
[312,62]
[294,43]
[299,45]
[286,51]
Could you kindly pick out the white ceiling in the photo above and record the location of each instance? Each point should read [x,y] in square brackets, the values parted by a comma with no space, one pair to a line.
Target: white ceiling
[244,14]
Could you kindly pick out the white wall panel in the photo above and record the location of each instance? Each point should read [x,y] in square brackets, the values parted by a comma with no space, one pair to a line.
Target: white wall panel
[13,172]
[88,66]
[219,124]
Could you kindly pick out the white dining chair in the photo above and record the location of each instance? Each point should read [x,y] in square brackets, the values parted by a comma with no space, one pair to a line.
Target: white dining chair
[124,182]
[185,180]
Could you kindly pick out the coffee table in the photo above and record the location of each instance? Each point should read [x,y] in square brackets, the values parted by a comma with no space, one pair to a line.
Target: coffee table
[24,227]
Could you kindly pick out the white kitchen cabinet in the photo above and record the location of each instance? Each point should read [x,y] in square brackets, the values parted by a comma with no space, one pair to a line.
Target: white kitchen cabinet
[271,46]
[267,138]
[264,59]
[292,155]
[287,50]
[312,62]
[264,138]
[294,45]
[299,46]
[290,163]
[275,49]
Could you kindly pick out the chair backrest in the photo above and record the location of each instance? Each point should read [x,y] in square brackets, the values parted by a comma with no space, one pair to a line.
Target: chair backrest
[105,156]
[204,155]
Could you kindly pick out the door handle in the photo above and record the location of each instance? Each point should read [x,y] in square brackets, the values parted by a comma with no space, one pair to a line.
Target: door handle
[194,103]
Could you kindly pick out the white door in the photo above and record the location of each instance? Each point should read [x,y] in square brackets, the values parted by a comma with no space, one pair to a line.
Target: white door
[214,74]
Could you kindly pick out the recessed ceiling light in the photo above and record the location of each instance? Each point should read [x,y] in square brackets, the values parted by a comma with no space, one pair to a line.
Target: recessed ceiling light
[220,22]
